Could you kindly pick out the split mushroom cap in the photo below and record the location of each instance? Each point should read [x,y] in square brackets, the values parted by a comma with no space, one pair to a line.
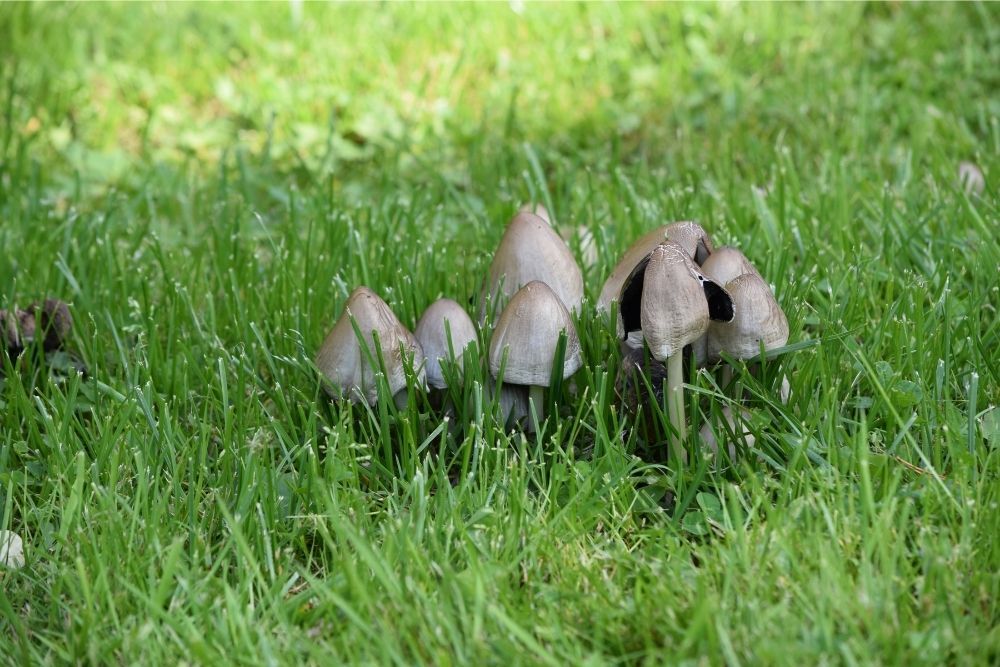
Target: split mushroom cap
[689,235]
[432,332]
[349,366]
[759,320]
[693,238]
[676,301]
[529,329]
[531,250]
[727,264]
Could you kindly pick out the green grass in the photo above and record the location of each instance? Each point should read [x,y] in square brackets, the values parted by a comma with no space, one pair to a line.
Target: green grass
[205,184]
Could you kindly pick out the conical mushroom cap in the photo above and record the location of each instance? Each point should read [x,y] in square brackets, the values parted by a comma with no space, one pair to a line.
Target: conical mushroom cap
[432,333]
[537,209]
[677,302]
[529,329]
[345,363]
[759,319]
[688,235]
[727,264]
[712,435]
[531,250]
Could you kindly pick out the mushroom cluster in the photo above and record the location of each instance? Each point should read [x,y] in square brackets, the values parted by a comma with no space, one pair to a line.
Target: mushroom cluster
[678,298]
[533,286]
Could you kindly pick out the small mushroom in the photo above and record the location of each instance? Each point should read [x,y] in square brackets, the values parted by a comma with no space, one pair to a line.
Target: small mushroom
[512,408]
[726,264]
[444,331]
[11,550]
[531,250]
[54,321]
[971,178]
[528,330]
[670,302]
[759,321]
[689,235]
[711,434]
[348,365]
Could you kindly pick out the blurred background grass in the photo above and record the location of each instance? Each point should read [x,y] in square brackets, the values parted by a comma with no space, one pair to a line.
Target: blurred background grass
[111,93]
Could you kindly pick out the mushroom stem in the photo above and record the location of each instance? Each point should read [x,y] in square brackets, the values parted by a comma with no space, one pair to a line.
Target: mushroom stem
[727,375]
[675,398]
[536,396]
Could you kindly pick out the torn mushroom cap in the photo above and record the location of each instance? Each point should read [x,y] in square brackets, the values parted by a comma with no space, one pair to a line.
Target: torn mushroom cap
[529,329]
[759,320]
[726,264]
[689,235]
[531,250]
[671,301]
[442,317]
[352,369]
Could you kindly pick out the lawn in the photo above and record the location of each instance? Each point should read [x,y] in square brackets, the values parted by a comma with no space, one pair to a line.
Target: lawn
[205,184]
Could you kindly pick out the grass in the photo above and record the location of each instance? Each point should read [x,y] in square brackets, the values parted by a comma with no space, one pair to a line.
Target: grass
[205,184]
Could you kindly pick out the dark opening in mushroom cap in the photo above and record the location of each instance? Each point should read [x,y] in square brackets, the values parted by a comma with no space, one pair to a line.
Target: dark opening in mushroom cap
[675,299]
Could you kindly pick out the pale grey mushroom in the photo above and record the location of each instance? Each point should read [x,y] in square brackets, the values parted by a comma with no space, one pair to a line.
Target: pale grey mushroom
[759,321]
[531,250]
[11,550]
[971,178]
[352,368]
[527,333]
[726,264]
[667,303]
[688,235]
[444,331]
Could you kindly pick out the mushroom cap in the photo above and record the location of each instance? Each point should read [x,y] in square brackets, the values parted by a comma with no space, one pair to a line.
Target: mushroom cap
[11,550]
[440,318]
[529,328]
[693,238]
[531,250]
[759,319]
[349,367]
[677,301]
[537,209]
[971,178]
[727,264]
[689,235]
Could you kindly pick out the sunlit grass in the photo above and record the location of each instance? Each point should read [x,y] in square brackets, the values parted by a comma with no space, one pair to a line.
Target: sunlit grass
[206,184]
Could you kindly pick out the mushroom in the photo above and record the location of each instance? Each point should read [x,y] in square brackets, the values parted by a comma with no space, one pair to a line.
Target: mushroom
[531,250]
[348,364]
[689,235]
[11,550]
[725,264]
[971,178]
[667,302]
[444,331]
[536,209]
[511,404]
[712,435]
[759,321]
[527,332]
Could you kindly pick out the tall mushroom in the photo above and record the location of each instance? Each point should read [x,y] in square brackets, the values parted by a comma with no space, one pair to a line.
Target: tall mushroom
[348,362]
[528,333]
[531,250]
[667,302]
[689,235]
[444,331]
